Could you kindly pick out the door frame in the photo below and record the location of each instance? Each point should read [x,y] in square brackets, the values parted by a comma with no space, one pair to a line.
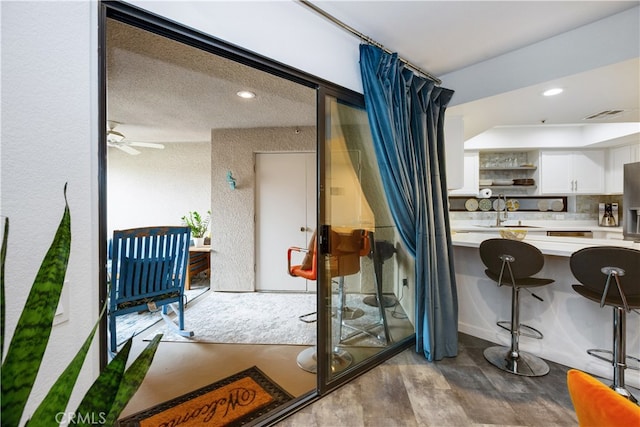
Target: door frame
[309,225]
[142,19]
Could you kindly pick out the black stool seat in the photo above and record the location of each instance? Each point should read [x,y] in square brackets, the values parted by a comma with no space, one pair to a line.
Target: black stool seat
[632,300]
[524,282]
[610,275]
[513,263]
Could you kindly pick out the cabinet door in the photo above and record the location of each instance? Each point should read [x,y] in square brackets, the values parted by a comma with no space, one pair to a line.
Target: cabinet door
[635,152]
[556,175]
[588,171]
[471,173]
[454,151]
[618,156]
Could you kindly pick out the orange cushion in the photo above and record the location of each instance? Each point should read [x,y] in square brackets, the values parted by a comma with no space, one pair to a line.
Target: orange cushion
[598,405]
[309,258]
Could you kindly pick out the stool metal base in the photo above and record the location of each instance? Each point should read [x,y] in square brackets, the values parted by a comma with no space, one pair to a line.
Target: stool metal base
[608,356]
[349,313]
[624,393]
[387,302]
[523,330]
[524,364]
[308,360]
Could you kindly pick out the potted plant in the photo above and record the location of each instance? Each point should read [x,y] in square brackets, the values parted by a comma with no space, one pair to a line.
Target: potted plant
[114,387]
[198,225]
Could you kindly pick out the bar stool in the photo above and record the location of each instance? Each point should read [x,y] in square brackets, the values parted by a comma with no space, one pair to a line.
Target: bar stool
[512,263]
[610,275]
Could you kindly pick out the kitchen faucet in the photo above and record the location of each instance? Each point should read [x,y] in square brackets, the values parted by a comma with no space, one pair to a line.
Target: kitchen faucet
[500,220]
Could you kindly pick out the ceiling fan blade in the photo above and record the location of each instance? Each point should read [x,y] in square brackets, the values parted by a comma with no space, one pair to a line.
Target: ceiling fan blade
[127,149]
[146,144]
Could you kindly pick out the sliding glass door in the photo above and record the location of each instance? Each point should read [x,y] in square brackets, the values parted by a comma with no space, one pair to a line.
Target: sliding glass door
[367,310]
[364,278]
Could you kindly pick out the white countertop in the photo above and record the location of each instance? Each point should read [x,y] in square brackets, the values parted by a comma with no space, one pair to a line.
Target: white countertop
[548,245]
[533,226]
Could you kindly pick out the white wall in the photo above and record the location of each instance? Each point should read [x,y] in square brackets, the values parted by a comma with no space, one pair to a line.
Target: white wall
[281,30]
[50,126]
[49,134]
[158,187]
[50,131]
[233,226]
[604,42]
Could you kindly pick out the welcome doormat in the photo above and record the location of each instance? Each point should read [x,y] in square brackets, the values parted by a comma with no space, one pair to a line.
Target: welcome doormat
[233,401]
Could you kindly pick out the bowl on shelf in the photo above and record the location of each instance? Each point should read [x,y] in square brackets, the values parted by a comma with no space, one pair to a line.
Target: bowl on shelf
[485,182]
[502,182]
[513,234]
[524,181]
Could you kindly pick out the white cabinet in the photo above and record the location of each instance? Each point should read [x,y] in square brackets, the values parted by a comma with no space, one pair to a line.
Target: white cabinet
[572,172]
[616,159]
[454,151]
[471,173]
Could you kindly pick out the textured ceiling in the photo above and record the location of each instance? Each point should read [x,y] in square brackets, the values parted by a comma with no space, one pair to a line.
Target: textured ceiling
[159,90]
[163,91]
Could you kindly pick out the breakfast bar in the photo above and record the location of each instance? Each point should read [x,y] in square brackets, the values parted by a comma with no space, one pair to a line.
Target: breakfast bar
[570,323]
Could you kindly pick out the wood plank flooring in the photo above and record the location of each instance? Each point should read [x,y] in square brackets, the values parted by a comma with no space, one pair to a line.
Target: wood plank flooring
[463,391]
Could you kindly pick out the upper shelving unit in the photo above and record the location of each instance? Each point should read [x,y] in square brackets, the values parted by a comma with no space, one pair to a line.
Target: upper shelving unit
[515,168]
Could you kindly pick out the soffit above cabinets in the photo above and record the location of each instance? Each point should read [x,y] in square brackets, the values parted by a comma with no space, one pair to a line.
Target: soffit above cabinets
[555,136]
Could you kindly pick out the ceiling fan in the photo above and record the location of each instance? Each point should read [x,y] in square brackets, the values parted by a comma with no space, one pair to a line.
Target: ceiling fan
[118,140]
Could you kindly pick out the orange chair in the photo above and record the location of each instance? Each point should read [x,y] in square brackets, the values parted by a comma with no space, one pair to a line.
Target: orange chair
[300,270]
[597,405]
[307,270]
[343,259]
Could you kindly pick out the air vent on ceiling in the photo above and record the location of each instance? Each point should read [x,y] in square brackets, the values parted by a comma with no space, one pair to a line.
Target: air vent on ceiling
[606,114]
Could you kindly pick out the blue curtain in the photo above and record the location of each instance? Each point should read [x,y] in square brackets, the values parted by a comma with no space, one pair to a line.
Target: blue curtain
[406,115]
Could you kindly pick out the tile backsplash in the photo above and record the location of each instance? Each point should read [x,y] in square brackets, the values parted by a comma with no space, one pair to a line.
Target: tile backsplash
[578,208]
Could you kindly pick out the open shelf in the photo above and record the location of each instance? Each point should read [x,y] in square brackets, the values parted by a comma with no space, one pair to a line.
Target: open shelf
[512,187]
[515,168]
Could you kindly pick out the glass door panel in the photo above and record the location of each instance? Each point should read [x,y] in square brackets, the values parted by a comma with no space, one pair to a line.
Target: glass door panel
[368,310]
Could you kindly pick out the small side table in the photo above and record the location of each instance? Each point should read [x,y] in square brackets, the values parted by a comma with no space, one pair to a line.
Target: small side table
[199,261]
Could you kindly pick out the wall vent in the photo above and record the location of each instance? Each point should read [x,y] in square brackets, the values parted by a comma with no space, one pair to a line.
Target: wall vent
[604,114]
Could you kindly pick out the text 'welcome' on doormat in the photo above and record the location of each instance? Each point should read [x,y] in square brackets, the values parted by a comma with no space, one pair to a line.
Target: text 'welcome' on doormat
[233,401]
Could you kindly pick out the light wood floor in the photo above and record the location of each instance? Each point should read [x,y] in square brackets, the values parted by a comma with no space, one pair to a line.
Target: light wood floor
[406,390]
[463,391]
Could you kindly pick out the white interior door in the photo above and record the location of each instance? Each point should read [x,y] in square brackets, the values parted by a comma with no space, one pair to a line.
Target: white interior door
[285,216]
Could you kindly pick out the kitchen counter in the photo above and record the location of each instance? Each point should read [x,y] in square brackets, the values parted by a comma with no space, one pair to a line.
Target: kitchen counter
[548,245]
[533,226]
[571,324]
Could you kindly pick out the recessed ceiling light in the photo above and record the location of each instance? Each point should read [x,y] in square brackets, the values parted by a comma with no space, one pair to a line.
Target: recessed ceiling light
[552,92]
[246,94]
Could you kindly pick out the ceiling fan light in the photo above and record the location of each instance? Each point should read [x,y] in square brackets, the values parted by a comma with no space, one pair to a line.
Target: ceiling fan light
[246,94]
[114,136]
[553,91]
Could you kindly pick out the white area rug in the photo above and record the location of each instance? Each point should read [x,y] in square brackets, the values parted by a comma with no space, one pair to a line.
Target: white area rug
[262,318]
[132,324]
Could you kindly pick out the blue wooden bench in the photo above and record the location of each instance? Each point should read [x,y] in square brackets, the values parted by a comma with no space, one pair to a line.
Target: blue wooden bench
[148,271]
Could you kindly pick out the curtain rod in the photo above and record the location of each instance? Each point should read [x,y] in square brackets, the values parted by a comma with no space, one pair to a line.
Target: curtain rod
[367,39]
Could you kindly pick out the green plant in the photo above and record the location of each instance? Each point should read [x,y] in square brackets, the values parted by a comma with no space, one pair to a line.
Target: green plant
[197,223]
[114,387]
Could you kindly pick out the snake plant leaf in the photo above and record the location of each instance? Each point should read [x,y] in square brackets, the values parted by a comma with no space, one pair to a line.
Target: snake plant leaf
[132,379]
[100,396]
[58,396]
[3,256]
[31,336]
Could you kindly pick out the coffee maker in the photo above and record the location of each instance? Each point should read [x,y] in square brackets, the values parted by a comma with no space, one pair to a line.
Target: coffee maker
[608,215]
